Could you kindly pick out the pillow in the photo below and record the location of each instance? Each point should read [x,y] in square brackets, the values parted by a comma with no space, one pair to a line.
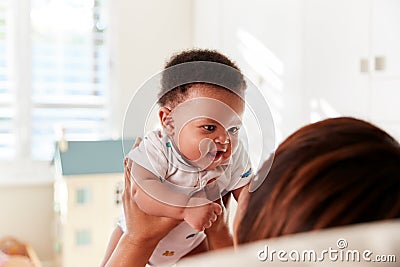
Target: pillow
[353,245]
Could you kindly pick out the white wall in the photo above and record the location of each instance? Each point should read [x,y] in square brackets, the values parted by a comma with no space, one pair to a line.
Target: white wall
[265,38]
[144,35]
[26,212]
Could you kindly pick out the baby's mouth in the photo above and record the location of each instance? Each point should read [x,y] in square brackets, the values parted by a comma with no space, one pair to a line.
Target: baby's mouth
[216,155]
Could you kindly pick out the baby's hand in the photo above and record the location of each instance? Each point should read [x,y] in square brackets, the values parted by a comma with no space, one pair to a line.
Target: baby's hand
[202,217]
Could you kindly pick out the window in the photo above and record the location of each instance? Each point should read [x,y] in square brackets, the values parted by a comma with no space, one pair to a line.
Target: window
[83,196]
[83,237]
[7,111]
[53,75]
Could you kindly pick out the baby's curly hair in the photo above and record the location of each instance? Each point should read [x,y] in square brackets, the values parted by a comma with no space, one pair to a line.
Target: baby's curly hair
[171,94]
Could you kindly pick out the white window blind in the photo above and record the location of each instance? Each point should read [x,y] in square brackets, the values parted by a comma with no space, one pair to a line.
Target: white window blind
[7,96]
[66,84]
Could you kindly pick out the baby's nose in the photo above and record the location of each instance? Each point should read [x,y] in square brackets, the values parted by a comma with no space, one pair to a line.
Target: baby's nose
[223,138]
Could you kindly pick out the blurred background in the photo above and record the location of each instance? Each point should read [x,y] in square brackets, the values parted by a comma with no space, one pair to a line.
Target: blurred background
[68,69]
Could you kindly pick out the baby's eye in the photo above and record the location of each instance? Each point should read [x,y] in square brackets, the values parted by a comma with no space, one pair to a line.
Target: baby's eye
[233,129]
[209,127]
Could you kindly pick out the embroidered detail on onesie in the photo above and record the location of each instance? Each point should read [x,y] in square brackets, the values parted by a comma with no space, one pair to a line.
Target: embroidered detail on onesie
[168,144]
[168,253]
[191,235]
[246,174]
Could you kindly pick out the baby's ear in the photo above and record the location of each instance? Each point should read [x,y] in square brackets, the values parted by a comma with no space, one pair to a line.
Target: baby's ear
[166,120]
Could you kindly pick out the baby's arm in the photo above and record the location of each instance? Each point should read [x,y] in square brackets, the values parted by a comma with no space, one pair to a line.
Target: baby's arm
[198,217]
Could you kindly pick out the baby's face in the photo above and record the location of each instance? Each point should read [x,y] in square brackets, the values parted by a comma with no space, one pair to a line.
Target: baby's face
[209,140]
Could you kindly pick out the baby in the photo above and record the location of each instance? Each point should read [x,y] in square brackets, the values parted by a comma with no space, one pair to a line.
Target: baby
[195,159]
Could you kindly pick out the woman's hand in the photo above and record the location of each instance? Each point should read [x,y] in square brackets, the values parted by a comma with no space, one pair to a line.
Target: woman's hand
[141,227]
[143,233]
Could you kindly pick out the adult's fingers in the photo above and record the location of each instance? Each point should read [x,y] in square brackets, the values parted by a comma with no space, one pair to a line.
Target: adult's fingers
[127,174]
[129,162]
[213,217]
[137,142]
[217,208]
[208,224]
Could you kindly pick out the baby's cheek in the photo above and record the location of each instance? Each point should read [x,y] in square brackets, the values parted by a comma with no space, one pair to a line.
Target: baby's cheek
[189,149]
[194,149]
[234,143]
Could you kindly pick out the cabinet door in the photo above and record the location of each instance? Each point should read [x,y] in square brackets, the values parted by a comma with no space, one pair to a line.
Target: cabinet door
[385,108]
[386,37]
[336,41]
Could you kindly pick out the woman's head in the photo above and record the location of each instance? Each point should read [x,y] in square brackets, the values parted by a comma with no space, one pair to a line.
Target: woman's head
[335,172]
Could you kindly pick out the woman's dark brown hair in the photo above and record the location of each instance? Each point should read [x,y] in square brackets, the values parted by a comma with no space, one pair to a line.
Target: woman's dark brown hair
[331,173]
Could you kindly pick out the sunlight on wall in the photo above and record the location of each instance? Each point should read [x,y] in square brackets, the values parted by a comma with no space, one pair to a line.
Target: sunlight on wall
[261,59]
[321,109]
[266,71]
[265,56]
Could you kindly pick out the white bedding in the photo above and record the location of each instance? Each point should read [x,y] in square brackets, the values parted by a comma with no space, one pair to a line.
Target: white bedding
[355,245]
